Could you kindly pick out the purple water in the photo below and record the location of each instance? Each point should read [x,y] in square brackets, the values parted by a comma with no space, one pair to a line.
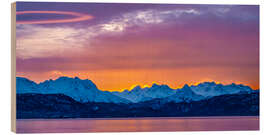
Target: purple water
[138,124]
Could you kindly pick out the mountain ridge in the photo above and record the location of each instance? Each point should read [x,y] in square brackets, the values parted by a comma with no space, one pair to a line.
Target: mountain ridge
[84,90]
[80,90]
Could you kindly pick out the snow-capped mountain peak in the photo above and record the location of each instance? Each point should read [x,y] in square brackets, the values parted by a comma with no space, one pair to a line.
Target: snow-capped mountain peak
[80,90]
[25,85]
[67,83]
[87,91]
[184,94]
[138,94]
[210,89]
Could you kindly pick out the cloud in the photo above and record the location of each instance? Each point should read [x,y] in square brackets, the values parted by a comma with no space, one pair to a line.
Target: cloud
[180,41]
[143,17]
[45,41]
[37,41]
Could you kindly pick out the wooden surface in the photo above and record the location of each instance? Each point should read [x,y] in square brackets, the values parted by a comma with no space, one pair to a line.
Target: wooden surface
[13,67]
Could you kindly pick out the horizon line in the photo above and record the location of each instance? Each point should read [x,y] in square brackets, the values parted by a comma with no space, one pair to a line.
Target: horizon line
[144,86]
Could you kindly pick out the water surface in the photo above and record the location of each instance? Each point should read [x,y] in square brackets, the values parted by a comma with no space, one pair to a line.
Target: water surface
[138,124]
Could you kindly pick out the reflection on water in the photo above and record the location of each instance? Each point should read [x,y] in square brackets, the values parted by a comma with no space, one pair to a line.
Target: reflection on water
[138,124]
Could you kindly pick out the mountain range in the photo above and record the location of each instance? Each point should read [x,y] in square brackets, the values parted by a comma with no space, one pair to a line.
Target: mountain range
[87,91]
[68,97]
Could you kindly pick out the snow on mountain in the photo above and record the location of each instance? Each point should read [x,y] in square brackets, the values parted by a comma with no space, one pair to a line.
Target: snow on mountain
[210,89]
[192,93]
[80,90]
[139,94]
[87,91]
[24,85]
[184,94]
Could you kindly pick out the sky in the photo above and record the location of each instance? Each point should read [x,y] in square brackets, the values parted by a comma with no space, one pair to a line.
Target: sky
[119,46]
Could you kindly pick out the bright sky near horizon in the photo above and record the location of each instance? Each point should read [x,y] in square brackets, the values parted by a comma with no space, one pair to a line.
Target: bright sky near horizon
[118,46]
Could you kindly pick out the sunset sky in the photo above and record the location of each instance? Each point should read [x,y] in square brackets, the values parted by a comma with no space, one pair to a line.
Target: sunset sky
[118,46]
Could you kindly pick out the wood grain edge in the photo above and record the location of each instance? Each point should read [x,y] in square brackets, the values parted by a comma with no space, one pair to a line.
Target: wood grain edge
[13,67]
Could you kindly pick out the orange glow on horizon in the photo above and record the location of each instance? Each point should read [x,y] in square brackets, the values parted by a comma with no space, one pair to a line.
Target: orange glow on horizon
[127,80]
[78,17]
